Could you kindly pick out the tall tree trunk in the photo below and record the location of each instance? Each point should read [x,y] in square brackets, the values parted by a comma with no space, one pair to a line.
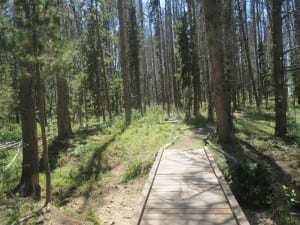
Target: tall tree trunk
[169,28]
[63,115]
[154,64]
[195,70]
[29,183]
[219,80]
[134,64]
[278,72]
[297,33]
[143,57]
[210,112]
[229,35]
[62,101]
[247,52]
[122,12]
[41,109]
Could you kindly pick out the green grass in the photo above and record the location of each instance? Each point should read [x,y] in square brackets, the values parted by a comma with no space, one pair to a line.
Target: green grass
[257,179]
[89,159]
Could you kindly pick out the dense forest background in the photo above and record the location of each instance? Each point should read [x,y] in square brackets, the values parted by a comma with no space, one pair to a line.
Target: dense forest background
[66,65]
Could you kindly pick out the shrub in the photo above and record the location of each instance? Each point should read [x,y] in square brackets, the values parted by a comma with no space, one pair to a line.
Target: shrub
[252,183]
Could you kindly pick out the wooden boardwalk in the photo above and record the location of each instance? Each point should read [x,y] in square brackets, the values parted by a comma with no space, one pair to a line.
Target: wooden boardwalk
[185,187]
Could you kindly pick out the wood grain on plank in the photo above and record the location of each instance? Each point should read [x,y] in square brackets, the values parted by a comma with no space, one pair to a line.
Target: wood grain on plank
[188,190]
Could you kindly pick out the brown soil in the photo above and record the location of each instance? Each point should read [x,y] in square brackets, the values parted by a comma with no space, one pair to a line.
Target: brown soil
[115,203]
[189,140]
[56,217]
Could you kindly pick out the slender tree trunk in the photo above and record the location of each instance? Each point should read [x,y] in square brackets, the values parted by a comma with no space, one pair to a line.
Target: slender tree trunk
[154,65]
[297,33]
[143,57]
[250,69]
[62,101]
[63,115]
[278,72]
[195,69]
[210,112]
[134,65]
[41,110]
[122,12]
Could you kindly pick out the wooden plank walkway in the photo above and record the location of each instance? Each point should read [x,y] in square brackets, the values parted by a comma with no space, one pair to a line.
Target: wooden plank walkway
[185,187]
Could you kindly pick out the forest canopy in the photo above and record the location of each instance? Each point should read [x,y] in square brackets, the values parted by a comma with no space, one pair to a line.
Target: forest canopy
[65,65]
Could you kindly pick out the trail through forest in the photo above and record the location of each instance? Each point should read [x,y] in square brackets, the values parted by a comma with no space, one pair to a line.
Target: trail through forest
[119,203]
[116,203]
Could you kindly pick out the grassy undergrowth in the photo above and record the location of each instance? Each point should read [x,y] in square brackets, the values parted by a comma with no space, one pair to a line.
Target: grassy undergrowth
[89,160]
[267,174]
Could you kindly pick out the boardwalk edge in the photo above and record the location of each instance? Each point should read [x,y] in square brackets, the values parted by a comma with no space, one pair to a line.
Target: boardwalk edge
[235,207]
[148,185]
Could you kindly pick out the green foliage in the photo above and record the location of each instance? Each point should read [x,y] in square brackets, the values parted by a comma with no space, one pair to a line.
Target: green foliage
[251,183]
[9,169]
[85,162]
[13,213]
[7,104]
[258,177]
[137,166]
[16,210]
[92,217]
[281,200]
[184,51]
[12,132]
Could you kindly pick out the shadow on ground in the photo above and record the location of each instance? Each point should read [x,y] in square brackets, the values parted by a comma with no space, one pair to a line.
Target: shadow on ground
[58,146]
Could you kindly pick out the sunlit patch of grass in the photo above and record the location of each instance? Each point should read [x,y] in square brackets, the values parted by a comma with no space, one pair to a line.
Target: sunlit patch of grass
[254,127]
[137,145]
[87,160]
[90,157]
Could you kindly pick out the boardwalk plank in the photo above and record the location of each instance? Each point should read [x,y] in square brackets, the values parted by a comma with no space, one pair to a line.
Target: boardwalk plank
[190,205]
[188,190]
[188,219]
[185,187]
[204,199]
[184,222]
[180,170]
[188,211]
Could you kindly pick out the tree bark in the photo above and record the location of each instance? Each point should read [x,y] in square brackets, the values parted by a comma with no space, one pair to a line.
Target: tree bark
[63,115]
[250,69]
[297,33]
[134,64]
[195,68]
[278,72]
[29,183]
[122,12]
[219,80]
[62,101]
[41,110]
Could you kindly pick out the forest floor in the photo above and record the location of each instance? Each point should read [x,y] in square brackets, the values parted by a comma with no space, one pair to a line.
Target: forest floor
[99,174]
[117,202]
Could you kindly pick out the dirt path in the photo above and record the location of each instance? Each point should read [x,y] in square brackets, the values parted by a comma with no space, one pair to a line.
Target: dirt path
[190,140]
[119,204]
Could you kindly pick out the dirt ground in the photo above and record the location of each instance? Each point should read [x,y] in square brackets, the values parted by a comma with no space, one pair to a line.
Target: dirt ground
[115,204]
[119,204]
